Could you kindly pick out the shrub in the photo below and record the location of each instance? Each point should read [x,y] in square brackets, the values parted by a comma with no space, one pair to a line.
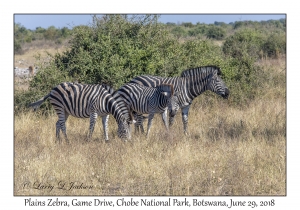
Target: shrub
[215,32]
[17,47]
[115,49]
[201,53]
[187,24]
[243,78]
[275,45]
[244,42]
[50,33]
[178,31]
[199,30]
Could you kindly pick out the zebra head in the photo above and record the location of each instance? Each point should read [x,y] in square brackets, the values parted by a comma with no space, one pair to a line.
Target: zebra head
[124,126]
[217,85]
[173,104]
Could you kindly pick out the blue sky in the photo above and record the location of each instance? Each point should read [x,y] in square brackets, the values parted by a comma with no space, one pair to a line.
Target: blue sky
[31,21]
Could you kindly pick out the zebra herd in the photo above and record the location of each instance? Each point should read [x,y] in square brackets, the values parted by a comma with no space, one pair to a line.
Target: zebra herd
[144,94]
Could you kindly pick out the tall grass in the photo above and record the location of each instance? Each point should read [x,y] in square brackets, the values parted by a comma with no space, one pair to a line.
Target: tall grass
[229,151]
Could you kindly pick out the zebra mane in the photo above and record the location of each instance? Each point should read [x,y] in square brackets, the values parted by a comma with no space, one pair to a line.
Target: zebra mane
[198,70]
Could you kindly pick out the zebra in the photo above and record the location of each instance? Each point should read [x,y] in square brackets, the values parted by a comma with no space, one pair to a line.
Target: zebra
[190,84]
[148,100]
[88,101]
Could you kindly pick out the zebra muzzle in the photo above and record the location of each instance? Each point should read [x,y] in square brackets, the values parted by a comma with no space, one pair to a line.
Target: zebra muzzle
[226,94]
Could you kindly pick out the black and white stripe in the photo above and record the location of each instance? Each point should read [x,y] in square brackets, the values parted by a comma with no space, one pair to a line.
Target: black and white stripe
[88,101]
[190,84]
[148,100]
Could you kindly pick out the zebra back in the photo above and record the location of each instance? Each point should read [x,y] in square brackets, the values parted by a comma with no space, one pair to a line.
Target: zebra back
[200,71]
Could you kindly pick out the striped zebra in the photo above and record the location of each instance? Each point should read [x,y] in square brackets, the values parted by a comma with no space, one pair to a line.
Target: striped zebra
[148,100]
[190,84]
[88,101]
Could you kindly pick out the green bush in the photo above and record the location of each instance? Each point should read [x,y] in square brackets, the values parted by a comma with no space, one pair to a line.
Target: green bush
[50,33]
[201,53]
[275,45]
[116,48]
[244,42]
[199,30]
[216,32]
[178,31]
[17,47]
[187,24]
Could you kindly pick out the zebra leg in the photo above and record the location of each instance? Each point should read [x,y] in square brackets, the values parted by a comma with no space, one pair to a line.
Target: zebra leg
[139,123]
[136,129]
[61,125]
[93,118]
[171,120]
[64,129]
[150,118]
[105,126]
[142,128]
[58,131]
[164,117]
[185,113]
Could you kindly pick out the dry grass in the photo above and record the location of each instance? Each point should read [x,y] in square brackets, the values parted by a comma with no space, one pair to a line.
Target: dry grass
[229,152]
[37,48]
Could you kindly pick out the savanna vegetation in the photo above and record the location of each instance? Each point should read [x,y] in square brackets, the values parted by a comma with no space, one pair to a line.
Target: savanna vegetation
[234,147]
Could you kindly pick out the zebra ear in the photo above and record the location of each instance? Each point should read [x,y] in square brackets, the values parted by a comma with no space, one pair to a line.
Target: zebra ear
[218,71]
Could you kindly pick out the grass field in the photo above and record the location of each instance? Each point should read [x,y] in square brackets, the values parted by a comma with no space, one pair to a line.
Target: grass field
[230,151]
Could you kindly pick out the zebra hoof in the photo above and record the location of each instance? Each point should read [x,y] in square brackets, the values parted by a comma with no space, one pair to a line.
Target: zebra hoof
[187,134]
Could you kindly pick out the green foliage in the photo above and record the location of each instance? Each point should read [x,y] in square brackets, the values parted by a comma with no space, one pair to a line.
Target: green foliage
[188,24]
[244,42]
[242,50]
[21,36]
[215,32]
[201,53]
[17,47]
[48,78]
[244,79]
[65,32]
[179,32]
[116,48]
[219,23]
[50,33]
[275,45]
[256,43]
[199,30]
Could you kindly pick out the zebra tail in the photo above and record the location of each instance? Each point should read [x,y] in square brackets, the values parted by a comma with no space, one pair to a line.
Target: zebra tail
[38,103]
